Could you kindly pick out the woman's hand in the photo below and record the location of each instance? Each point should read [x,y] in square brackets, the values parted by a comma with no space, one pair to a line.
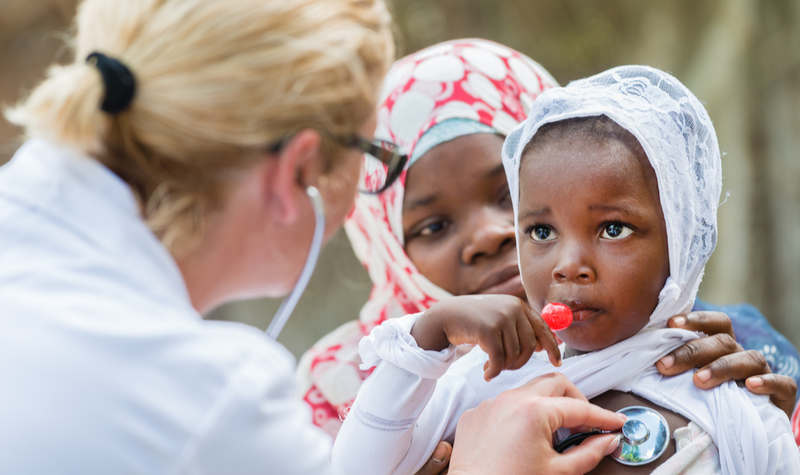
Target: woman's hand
[721,359]
[513,433]
[504,326]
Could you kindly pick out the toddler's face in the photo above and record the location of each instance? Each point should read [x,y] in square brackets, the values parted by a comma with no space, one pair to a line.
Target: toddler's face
[592,236]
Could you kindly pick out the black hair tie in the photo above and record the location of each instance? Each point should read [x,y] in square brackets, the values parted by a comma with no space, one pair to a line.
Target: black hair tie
[119,82]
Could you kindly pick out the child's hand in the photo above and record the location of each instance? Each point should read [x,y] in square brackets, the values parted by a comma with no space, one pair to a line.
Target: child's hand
[504,326]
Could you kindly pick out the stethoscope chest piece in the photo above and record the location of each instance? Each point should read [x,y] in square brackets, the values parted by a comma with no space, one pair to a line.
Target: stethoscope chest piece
[645,436]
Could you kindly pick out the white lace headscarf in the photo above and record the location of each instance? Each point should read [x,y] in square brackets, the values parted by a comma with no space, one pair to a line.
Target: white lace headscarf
[678,137]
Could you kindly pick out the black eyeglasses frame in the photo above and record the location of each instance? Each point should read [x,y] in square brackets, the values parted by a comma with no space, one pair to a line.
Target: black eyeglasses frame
[392,158]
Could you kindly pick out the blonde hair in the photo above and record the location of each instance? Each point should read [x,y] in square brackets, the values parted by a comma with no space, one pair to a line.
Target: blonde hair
[217,81]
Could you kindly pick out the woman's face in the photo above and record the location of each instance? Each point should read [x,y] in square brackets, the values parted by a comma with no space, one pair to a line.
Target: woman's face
[458,220]
[592,236]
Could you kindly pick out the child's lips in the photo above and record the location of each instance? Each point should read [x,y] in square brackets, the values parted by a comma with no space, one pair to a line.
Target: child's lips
[581,311]
[584,314]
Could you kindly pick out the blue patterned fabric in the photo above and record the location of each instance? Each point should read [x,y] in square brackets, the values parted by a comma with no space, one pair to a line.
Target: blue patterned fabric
[754,332]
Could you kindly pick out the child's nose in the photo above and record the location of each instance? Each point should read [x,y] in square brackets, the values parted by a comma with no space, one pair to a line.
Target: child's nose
[574,265]
[489,233]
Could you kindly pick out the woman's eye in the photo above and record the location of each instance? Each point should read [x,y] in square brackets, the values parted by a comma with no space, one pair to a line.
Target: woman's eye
[432,228]
[616,231]
[542,233]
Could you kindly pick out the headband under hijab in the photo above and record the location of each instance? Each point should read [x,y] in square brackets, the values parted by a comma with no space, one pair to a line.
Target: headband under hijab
[119,83]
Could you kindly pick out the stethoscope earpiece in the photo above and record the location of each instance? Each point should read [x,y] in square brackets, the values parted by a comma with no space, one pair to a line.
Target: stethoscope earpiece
[286,308]
[645,437]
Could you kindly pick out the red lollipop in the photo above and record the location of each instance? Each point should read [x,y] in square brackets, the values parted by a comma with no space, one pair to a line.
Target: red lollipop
[557,315]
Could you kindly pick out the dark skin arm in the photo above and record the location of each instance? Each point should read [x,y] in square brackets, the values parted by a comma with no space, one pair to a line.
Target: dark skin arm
[721,359]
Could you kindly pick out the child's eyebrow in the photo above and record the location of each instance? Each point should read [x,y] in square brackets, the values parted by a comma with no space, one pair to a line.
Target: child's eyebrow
[631,210]
[534,213]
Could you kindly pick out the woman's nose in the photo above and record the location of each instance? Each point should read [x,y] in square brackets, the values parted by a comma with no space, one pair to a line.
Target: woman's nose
[489,233]
[574,264]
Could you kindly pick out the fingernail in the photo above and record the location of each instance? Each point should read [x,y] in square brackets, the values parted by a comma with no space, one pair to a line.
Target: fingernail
[439,453]
[622,416]
[668,361]
[679,321]
[614,444]
[756,381]
[704,375]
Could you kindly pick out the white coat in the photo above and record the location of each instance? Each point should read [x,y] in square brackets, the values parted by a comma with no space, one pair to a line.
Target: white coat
[105,367]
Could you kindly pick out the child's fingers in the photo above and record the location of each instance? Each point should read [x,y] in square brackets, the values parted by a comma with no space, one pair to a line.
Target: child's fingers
[492,344]
[545,337]
[511,344]
[527,340]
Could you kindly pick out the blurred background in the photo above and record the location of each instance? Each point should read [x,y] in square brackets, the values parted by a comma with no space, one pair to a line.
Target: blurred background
[740,57]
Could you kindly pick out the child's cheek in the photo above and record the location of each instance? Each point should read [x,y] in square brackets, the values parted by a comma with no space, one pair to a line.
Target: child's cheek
[536,284]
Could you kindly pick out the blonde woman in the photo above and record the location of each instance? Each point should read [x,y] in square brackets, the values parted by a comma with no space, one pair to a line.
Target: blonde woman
[178,163]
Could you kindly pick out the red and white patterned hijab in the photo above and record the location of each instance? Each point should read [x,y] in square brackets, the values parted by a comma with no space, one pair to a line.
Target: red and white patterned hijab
[461,79]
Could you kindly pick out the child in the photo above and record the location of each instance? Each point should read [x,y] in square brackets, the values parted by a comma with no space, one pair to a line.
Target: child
[615,181]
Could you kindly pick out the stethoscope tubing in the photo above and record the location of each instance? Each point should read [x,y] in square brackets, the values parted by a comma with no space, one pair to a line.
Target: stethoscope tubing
[288,305]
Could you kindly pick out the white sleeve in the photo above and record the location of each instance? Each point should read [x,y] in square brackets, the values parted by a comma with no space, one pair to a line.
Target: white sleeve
[402,412]
[258,426]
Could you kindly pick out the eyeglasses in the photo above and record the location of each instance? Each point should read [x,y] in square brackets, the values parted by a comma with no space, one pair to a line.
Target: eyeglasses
[381,164]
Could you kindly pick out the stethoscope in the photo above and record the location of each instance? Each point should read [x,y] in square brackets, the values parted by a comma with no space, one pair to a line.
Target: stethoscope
[645,437]
[286,308]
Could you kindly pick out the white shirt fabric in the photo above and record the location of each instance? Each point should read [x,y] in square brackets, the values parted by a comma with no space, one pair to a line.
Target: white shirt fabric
[105,367]
[402,411]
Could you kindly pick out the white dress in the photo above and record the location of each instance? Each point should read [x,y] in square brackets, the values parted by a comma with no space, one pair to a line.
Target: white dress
[414,399]
[105,367]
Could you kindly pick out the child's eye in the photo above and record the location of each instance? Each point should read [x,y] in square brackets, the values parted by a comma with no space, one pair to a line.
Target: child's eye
[432,228]
[616,231]
[542,233]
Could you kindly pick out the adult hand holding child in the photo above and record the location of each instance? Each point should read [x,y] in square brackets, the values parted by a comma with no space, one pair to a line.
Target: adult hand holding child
[720,358]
